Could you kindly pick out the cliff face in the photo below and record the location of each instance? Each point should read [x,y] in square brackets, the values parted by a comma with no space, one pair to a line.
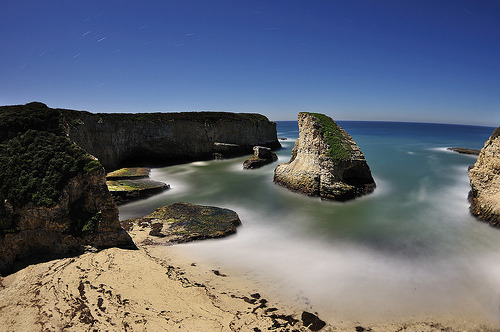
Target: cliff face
[168,137]
[325,162]
[85,215]
[53,194]
[484,195]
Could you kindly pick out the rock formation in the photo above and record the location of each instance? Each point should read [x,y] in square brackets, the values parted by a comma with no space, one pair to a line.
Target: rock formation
[484,176]
[465,151]
[53,198]
[127,184]
[325,162]
[261,156]
[183,222]
[53,194]
[168,137]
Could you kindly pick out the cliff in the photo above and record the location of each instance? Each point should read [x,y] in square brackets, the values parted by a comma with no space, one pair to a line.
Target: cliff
[168,138]
[53,200]
[484,196]
[53,194]
[325,162]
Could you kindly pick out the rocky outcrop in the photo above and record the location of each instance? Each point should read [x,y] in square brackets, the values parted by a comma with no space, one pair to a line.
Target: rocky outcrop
[127,184]
[53,195]
[84,215]
[168,137]
[325,162]
[484,196]
[261,156]
[183,222]
[465,151]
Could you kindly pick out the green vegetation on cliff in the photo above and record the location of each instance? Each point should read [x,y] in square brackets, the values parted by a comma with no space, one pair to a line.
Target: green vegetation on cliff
[332,135]
[15,120]
[74,118]
[35,166]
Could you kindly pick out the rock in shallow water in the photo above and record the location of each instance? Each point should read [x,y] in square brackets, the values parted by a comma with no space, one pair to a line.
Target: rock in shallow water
[261,156]
[325,162]
[484,195]
[183,222]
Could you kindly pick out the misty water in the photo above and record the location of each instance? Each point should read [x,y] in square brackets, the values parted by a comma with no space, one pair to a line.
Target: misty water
[409,248]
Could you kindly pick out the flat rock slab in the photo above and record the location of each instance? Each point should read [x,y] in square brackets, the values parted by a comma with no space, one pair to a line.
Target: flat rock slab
[465,151]
[183,222]
[127,190]
[129,173]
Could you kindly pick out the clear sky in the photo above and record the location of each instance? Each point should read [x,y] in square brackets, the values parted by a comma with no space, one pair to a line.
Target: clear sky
[402,60]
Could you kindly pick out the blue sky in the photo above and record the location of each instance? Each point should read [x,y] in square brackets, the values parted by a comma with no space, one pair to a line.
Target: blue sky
[426,61]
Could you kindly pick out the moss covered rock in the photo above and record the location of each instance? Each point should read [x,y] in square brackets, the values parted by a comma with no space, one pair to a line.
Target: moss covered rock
[183,222]
[53,195]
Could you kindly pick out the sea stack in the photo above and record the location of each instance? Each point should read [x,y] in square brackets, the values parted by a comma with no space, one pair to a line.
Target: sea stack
[484,176]
[325,162]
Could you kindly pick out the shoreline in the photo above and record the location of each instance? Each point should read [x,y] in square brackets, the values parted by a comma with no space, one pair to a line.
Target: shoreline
[162,288]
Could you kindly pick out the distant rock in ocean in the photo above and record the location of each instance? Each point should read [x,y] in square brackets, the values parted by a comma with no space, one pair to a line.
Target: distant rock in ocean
[484,196]
[465,151]
[325,162]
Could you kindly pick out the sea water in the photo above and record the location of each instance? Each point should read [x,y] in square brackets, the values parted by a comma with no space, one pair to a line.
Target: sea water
[409,248]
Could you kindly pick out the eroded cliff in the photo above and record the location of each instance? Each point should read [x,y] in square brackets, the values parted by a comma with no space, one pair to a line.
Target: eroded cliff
[325,162]
[484,195]
[168,137]
[53,194]
[53,200]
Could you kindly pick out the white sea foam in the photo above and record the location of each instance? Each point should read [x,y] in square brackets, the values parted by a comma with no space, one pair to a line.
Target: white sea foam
[409,247]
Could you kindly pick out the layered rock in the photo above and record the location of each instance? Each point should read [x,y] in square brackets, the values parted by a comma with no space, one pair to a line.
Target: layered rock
[183,222]
[325,162]
[168,137]
[261,156]
[484,196]
[127,184]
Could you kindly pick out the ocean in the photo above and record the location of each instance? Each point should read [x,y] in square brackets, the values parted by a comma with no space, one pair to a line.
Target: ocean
[409,248]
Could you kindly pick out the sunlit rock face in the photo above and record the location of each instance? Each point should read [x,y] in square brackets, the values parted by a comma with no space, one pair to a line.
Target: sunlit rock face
[325,162]
[484,195]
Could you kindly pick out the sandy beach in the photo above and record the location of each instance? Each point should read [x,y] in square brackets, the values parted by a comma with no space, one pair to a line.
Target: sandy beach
[157,288]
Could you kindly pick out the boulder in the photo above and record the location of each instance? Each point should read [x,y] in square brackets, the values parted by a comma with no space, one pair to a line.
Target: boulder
[183,222]
[484,196]
[325,162]
[261,156]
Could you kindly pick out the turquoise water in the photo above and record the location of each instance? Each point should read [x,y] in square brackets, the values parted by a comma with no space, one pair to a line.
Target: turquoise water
[410,247]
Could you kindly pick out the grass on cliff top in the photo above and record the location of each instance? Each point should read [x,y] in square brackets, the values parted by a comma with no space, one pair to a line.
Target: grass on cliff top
[331,133]
[211,117]
[35,166]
